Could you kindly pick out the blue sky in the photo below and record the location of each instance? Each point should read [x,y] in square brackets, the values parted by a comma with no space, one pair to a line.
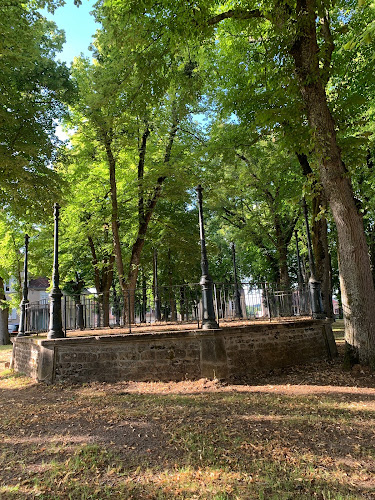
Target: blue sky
[79,27]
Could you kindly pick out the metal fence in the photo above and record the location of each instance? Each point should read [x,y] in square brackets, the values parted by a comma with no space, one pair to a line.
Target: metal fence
[170,304]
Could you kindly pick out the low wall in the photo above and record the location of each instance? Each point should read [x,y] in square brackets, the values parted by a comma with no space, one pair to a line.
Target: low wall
[225,353]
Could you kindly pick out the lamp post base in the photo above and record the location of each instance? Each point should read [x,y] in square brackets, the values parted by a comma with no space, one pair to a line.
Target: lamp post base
[209,324]
[55,325]
[316,299]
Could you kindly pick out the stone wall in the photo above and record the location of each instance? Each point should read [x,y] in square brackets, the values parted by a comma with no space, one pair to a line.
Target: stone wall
[224,353]
[25,357]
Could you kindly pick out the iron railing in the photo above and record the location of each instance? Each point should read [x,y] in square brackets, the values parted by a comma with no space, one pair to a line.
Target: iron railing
[177,304]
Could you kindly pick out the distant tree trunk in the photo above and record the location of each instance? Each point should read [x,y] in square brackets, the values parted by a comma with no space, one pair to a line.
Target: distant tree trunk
[4,313]
[172,301]
[320,238]
[322,256]
[282,252]
[107,139]
[103,276]
[284,227]
[357,286]
[146,211]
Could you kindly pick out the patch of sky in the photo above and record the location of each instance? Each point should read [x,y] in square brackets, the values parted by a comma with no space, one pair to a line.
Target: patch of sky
[79,26]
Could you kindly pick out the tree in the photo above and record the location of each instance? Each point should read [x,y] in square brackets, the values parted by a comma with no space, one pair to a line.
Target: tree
[11,242]
[257,192]
[33,91]
[308,51]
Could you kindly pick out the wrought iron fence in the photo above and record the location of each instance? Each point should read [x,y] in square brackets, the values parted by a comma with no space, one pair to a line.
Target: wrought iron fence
[170,304]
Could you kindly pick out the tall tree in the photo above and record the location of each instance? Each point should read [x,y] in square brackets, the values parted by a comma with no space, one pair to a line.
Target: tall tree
[34,89]
[303,34]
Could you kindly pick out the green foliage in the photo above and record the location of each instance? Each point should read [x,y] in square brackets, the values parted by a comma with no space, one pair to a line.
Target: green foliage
[33,88]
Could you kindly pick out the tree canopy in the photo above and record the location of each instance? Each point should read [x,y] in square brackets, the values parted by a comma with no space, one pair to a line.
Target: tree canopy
[263,103]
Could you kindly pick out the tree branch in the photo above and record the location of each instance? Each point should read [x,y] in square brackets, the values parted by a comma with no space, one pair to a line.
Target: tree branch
[266,191]
[235,14]
[326,50]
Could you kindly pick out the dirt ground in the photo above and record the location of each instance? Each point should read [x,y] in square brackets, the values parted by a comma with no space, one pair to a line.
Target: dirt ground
[303,432]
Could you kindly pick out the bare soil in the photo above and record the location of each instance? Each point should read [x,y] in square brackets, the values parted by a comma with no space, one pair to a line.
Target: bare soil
[304,432]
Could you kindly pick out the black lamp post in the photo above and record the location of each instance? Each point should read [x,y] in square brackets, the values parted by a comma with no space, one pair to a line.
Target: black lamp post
[237,298]
[208,316]
[25,292]
[156,288]
[314,284]
[55,319]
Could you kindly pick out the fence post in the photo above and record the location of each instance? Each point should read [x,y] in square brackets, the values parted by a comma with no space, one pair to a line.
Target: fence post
[156,288]
[129,317]
[268,304]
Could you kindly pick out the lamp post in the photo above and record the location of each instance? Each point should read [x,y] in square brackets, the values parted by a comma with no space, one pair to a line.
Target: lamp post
[314,284]
[55,319]
[237,301]
[156,288]
[208,313]
[25,292]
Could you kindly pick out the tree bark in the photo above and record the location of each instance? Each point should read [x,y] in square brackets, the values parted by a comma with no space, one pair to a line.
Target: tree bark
[4,313]
[282,252]
[357,286]
[145,214]
[103,280]
[319,230]
[114,213]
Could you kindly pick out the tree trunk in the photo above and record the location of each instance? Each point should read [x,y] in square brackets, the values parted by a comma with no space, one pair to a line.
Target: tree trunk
[319,230]
[145,214]
[172,300]
[4,313]
[282,251]
[323,267]
[357,286]
[103,276]
[114,215]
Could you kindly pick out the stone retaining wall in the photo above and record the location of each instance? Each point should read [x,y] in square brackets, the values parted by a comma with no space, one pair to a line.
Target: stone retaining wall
[224,353]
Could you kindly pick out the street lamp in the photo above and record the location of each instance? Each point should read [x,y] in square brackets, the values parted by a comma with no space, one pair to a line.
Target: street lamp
[208,313]
[55,319]
[25,292]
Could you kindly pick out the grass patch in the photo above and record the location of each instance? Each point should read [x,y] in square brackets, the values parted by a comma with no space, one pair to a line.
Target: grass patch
[7,347]
[338,329]
[165,441]
[5,353]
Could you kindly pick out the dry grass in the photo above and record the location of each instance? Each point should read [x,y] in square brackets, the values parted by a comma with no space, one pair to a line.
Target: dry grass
[304,433]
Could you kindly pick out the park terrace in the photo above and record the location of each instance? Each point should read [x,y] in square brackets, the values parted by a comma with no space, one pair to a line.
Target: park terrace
[232,352]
